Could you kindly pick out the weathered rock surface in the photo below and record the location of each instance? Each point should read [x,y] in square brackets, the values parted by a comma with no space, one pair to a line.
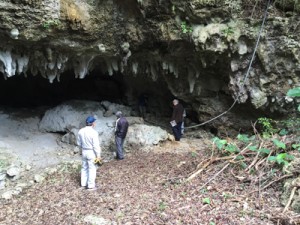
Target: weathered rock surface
[198,50]
[69,117]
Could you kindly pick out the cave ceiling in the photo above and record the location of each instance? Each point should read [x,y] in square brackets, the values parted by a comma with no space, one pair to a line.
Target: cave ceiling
[196,51]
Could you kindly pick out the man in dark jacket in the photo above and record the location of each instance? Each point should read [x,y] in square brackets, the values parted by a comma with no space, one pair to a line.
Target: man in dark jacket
[120,134]
[177,118]
[143,100]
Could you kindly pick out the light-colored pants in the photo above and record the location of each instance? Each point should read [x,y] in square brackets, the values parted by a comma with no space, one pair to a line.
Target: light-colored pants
[88,169]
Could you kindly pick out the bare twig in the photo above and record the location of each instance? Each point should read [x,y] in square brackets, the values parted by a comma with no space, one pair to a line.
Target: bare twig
[240,178]
[259,191]
[255,158]
[290,199]
[199,171]
[263,160]
[280,178]
[212,160]
[253,10]
[255,131]
[217,174]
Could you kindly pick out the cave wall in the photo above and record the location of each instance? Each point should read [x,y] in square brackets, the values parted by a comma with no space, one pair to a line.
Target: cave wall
[197,51]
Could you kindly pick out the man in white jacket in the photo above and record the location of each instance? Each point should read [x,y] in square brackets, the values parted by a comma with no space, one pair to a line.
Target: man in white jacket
[88,140]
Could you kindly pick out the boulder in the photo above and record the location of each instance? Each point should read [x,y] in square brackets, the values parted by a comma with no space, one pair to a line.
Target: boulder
[69,115]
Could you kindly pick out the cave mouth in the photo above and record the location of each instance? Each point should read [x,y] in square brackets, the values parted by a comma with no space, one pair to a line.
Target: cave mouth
[35,91]
[38,94]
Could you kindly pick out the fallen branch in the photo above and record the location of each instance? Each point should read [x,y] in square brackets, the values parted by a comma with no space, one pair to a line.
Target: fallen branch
[206,165]
[280,178]
[217,174]
[256,132]
[199,171]
[259,190]
[255,158]
[290,199]
[240,178]
[286,218]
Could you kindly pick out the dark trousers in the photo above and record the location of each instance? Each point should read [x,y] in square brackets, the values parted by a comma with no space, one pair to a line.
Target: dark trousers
[177,131]
[119,145]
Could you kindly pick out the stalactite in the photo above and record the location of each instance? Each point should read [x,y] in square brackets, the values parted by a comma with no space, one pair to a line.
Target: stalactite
[58,77]
[147,70]
[2,69]
[191,79]
[7,61]
[81,69]
[165,65]
[34,71]
[171,67]
[197,73]
[51,77]
[125,47]
[176,73]
[22,63]
[49,54]
[114,65]
[121,67]
[135,67]
[109,67]
[51,66]
[61,61]
[153,71]
[203,62]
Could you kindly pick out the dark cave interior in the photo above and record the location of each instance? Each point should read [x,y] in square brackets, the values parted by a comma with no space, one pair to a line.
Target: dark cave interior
[36,91]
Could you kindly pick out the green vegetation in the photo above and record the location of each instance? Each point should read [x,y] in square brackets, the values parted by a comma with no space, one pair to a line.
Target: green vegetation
[294,93]
[268,126]
[51,24]
[206,201]
[162,206]
[226,195]
[228,31]
[268,144]
[273,149]
[185,28]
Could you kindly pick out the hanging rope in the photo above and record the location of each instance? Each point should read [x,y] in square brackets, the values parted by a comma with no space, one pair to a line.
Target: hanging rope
[247,73]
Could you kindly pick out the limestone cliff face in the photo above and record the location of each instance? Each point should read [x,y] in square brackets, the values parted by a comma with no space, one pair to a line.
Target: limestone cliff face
[200,50]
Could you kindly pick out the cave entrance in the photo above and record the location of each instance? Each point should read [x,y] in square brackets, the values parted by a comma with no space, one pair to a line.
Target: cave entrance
[36,91]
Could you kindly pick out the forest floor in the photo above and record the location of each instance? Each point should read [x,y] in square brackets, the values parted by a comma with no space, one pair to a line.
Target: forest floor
[151,188]
[171,183]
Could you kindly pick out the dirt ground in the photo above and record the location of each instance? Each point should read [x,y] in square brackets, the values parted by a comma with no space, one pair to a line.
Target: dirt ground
[20,136]
[149,187]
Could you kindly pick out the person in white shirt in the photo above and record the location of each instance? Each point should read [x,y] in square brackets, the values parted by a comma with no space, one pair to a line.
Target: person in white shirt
[88,141]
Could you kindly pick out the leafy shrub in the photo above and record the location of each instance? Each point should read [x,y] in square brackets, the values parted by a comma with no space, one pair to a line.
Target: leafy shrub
[268,126]
[185,28]
[294,93]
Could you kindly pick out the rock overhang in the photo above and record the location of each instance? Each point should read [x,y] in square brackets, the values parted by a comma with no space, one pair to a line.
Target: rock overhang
[206,61]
